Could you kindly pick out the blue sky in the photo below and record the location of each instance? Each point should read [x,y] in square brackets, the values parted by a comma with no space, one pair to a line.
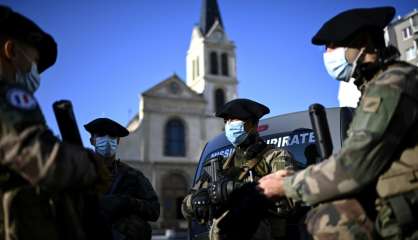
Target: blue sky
[111,51]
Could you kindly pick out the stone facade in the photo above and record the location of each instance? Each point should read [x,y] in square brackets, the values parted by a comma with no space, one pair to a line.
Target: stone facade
[403,34]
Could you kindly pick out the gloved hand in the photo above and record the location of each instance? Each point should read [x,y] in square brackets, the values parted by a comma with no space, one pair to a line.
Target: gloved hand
[220,191]
[200,205]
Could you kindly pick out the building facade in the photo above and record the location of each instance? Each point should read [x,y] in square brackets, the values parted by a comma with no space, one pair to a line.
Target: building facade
[176,117]
[401,33]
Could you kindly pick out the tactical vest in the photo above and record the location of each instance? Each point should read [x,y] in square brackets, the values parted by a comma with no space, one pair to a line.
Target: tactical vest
[252,169]
[402,176]
[398,186]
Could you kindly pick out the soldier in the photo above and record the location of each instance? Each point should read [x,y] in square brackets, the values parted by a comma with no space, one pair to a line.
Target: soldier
[251,160]
[381,151]
[37,170]
[130,201]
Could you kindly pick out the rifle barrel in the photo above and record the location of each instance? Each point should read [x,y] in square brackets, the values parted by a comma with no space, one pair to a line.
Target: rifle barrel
[67,123]
[320,126]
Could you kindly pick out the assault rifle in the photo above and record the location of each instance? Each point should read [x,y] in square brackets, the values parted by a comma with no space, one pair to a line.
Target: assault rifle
[93,224]
[246,205]
[213,169]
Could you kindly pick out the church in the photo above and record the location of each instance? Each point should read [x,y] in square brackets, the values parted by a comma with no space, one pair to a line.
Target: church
[176,118]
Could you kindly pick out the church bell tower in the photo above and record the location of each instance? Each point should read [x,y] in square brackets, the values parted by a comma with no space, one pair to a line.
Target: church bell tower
[211,59]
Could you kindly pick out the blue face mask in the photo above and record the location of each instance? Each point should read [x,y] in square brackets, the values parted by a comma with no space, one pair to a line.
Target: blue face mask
[235,133]
[106,146]
[30,80]
[337,65]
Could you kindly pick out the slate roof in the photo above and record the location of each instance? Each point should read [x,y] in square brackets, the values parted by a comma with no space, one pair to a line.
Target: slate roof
[209,14]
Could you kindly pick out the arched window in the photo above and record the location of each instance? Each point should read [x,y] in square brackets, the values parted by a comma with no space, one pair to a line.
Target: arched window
[219,99]
[214,63]
[224,63]
[174,144]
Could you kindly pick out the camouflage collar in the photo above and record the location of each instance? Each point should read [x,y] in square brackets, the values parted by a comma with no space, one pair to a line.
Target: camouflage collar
[251,150]
[366,72]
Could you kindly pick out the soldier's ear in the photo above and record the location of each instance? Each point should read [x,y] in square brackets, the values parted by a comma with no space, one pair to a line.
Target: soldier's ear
[92,140]
[8,49]
[248,126]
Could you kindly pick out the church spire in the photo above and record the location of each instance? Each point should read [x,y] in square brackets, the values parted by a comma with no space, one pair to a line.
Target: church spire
[209,14]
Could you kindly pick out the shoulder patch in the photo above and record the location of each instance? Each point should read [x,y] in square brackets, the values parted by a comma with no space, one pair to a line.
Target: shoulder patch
[21,99]
[371,104]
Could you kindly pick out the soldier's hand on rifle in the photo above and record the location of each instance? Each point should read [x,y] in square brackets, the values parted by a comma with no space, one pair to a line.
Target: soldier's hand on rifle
[200,204]
[272,185]
[220,191]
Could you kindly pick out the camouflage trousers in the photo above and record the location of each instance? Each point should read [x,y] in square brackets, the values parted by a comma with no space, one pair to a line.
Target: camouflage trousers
[343,219]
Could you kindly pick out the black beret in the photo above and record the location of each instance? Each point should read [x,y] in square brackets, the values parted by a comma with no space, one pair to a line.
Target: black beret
[341,27]
[106,126]
[243,109]
[18,26]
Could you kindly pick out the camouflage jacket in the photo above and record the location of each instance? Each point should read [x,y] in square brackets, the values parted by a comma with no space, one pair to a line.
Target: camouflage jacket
[36,169]
[270,159]
[130,202]
[383,127]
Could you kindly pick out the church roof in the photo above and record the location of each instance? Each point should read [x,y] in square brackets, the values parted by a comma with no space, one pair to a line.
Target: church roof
[156,89]
[209,14]
[133,120]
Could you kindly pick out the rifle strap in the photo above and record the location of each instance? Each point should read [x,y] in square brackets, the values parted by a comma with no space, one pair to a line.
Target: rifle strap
[119,175]
[228,162]
[252,163]
[115,184]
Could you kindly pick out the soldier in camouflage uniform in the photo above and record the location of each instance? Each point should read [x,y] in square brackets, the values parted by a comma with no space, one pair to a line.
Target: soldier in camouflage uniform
[37,170]
[130,201]
[381,151]
[251,160]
